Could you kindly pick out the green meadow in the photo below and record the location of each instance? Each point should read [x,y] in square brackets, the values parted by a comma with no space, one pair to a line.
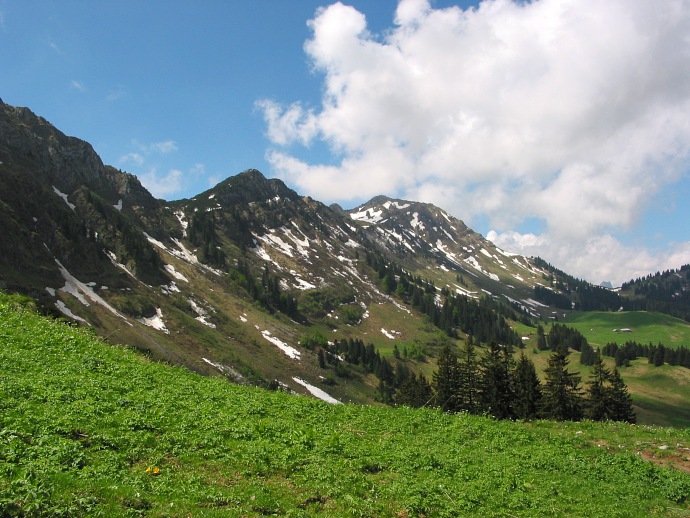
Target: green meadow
[645,327]
[91,429]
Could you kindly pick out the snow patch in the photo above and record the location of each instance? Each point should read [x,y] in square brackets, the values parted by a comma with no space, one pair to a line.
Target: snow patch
[368,216]
[415,223]
[258,250]
[81,291]
[67,312]
[288,350]
[395,204]
[301,283]
[171,270]
[156,321]
[118,205]
[202,314]
[225,369]
[180,217]
[64,197]
[387,334]
[154,241]
[317,392]
[113,259]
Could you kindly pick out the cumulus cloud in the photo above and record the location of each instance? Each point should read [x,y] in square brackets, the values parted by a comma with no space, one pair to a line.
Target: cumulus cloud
[163,148]
[572,112]
[162,186]
[596,258]
[292,124]
[153,157]
[135,158]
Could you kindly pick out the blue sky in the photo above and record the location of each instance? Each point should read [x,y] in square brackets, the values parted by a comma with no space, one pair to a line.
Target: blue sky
[557,128]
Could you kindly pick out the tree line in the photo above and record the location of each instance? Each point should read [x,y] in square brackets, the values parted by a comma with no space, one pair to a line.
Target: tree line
[498,385]
[656,355]
[571,293]
[667,292]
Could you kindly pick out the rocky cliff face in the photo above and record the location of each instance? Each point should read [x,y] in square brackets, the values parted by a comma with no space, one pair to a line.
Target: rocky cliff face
[29,140]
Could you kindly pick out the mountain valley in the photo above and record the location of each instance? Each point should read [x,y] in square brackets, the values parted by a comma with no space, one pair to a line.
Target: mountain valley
[253,282]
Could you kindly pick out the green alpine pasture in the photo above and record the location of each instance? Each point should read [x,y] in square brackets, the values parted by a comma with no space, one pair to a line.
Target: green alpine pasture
[90,429]
[645,327]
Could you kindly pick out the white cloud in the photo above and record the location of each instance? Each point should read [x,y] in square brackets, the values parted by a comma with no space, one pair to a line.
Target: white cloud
[77,85]
[135,158]
[198,169]
[597,258]
[162,186]
[573,112]
[163,148]
[286,126]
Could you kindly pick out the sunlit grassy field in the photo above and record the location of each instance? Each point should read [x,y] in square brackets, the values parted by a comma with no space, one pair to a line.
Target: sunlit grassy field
[645,327]
[87,428]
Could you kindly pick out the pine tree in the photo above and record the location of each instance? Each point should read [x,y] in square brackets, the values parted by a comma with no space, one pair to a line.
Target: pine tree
[562,394]
[621,358]
[446,380]
[527,389]
[496,389]
[621,407]
[659,354]
[598,392]
[468,379]
[415,392]
[541,339]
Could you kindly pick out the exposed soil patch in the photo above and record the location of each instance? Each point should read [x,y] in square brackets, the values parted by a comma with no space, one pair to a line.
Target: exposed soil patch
[662,455]
[678,458]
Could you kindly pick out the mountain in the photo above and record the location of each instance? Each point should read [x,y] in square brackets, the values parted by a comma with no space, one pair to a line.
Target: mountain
[426,238]
[252,281]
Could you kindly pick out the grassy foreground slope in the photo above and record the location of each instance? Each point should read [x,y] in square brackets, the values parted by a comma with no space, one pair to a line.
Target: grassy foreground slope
[91,429]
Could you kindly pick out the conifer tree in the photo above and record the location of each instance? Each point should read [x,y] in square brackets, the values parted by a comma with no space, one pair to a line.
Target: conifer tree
[415,392]
[621,358]
[598,392]
[659,354]
[496,389]
[562,395]
[541,338]
[621,407]
[527,389]
[468,379]
[446,380]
